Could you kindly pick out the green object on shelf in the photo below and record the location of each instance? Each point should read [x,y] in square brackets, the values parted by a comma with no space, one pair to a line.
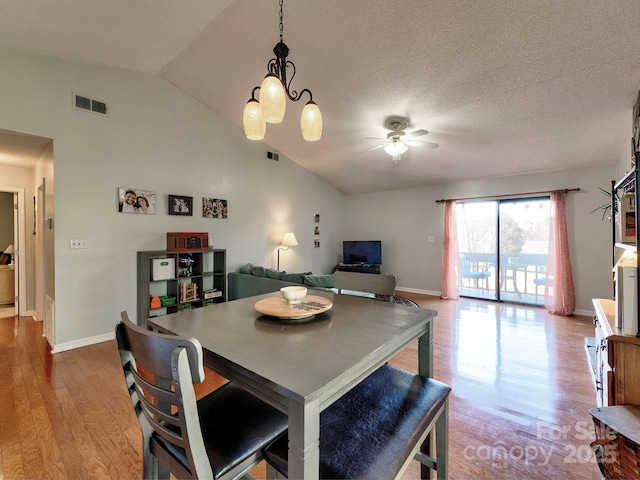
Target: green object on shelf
[166,300]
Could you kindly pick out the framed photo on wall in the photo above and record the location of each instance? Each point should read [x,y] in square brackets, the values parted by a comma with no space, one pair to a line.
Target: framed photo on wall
[136,200]
[214,208]
[180,205]
[628,219]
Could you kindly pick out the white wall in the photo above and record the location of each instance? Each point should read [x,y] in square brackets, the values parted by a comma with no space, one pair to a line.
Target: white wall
[155,138]
[404,219]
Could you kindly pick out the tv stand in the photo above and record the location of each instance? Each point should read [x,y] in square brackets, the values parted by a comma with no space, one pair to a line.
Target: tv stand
[358,268]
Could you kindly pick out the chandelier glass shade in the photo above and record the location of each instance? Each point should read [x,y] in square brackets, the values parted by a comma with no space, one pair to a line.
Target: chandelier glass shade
[271,104]
[253,121]
[272,99]
[311,122]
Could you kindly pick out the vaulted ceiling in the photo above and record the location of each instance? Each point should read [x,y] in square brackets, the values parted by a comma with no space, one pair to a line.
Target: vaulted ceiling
[503,86]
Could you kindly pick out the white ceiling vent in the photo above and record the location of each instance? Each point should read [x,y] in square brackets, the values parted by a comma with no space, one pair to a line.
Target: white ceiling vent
[91,105]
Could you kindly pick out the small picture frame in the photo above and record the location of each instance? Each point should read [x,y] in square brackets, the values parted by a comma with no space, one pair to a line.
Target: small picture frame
[180,205]
[628,219]
[214,208]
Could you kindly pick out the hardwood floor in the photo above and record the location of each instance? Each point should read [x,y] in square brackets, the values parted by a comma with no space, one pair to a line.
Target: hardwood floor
[518,409]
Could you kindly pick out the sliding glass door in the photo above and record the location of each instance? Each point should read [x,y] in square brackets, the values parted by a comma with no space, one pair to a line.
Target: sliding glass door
[503,248]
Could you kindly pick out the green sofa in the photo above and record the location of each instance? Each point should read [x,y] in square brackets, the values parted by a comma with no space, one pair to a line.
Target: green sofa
[250,281]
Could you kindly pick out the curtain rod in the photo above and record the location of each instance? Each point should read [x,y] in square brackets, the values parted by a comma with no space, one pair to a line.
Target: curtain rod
[566,190]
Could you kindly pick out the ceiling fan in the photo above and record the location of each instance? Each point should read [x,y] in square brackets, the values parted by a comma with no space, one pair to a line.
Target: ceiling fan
[398,141]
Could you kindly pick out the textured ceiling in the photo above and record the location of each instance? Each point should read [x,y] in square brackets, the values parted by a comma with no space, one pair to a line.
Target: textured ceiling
[504,86]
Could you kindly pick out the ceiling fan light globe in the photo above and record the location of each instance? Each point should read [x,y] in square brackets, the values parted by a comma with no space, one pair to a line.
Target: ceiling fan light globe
[272,99]
[253,120]
[395,148]
[311,122]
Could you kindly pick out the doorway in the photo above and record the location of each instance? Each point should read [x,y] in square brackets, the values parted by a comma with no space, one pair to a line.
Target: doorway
[12,284]
[503,247]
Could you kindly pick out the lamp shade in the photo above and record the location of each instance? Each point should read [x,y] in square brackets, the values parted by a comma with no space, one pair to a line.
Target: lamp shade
[272,99]
[311,122]
[11,250]
[253,120]
[289,240]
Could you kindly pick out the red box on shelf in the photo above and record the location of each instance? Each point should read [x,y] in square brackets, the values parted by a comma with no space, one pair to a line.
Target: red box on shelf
[187,241]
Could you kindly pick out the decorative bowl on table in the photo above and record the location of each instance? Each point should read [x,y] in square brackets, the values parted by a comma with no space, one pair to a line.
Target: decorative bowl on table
[293,295]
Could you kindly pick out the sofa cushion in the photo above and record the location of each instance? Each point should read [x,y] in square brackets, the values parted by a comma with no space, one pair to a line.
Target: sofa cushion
[275,274]
[295,277]
[246,268]
[259,271]
[319,281]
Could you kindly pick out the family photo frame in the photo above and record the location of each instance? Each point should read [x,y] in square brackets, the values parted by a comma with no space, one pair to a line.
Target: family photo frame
[214,208]
[136,200]
[180,205]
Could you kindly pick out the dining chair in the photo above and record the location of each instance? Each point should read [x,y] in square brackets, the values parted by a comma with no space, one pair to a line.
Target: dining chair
[377,428]
[220,436]
[472,271]
[365,282]
[542,282]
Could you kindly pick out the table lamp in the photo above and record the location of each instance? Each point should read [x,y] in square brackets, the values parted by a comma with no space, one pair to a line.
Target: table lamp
[289,240]
[10,250]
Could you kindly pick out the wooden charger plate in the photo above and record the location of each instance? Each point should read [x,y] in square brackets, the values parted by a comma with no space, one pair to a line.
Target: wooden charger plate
[310,306]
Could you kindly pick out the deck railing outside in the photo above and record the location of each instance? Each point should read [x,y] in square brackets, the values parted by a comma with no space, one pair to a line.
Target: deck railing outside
[519,278]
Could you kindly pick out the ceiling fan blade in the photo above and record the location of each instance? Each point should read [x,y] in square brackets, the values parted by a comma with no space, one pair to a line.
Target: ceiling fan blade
[374,138]
[417,143]
[418,133]
[370,149]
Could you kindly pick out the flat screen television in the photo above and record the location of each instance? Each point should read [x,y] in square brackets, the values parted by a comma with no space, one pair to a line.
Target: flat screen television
[365,252]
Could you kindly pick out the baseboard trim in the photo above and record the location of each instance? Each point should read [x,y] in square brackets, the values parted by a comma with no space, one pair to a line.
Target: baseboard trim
[83,342]
[418,290]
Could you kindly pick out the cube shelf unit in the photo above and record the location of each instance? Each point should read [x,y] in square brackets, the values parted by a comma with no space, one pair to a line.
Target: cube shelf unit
[181,279]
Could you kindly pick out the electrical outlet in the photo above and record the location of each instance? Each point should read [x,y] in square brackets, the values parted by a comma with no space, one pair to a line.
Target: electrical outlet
[79,243]
[431,239]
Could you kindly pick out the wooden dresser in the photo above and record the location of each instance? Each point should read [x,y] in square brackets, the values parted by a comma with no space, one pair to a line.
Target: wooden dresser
[7,284]
[614,359]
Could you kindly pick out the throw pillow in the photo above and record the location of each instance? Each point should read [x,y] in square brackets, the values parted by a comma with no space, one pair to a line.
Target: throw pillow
[258,272]
[319,281]
[246,268]
[275,274]
[295,277]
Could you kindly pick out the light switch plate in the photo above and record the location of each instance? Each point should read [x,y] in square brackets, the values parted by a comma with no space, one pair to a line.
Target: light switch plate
[78,243]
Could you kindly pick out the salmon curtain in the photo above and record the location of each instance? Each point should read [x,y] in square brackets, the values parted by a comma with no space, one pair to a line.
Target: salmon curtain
[450,260]
[559,291]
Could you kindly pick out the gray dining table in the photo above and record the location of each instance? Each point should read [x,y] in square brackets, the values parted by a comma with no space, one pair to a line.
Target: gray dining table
[302,366]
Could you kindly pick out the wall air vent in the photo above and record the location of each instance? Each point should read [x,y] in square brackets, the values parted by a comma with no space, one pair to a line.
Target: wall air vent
[89,104]
[273,156]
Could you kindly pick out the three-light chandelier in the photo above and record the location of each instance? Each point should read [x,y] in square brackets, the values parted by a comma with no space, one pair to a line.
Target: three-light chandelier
[271,106]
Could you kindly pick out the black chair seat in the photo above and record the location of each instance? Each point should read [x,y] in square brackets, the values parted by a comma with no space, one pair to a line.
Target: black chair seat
[234,425]
[372,430]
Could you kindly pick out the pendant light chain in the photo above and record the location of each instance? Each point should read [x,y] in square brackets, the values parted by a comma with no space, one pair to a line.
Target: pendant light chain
[281,26]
